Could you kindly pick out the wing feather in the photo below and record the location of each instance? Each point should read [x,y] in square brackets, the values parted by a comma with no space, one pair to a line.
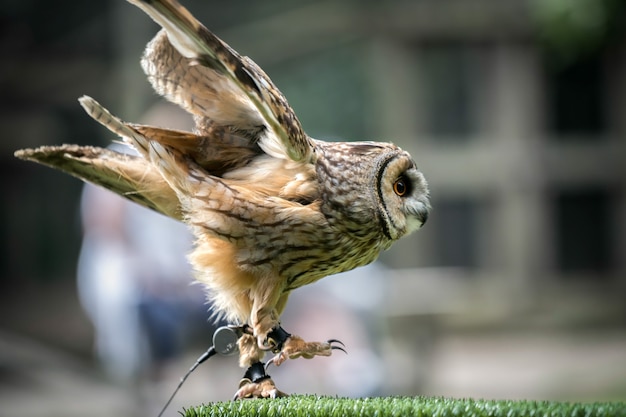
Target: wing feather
[130,176]
[217,152]
[197,70]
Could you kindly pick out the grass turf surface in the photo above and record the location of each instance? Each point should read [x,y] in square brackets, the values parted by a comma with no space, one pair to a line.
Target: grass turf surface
[312,406]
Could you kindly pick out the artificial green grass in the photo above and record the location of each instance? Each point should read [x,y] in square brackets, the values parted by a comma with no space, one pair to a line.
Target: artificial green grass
[313,406]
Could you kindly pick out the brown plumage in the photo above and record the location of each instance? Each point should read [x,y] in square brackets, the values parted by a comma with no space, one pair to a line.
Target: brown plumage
[271,208]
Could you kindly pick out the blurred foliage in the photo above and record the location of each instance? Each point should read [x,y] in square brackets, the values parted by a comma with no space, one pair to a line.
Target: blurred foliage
[570,30]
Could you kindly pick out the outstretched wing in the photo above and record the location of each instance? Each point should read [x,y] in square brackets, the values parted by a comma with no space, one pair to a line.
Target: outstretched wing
[195,69]
[239,114]
[129,176]
[217,152]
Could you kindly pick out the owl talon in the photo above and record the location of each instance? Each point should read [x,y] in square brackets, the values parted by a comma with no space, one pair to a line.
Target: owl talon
[257,384]
[262,389]
[295,347]
[335,347]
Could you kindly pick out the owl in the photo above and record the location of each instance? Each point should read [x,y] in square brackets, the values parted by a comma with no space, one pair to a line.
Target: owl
[271,208]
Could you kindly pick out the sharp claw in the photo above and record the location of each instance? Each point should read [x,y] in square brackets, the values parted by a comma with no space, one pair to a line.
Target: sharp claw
[333,347]
[336,341]
[267,364]
[239,394]
[338,348]
[266,345]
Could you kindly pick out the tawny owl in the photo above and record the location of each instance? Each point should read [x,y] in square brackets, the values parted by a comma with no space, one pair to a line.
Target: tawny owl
[272,209]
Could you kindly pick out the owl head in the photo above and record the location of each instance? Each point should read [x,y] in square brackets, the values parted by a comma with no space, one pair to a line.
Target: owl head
[373,185]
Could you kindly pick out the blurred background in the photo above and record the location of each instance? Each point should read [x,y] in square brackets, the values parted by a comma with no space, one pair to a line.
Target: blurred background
[515,110]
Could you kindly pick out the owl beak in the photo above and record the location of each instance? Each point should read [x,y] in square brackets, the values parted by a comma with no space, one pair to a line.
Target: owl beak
[419,214]
[422,216]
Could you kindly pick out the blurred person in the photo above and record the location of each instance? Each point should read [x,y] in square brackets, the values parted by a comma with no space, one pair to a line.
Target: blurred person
[134,279]
[134,284]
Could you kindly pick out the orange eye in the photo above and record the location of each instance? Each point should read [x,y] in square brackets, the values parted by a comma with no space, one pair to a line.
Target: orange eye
[400,187]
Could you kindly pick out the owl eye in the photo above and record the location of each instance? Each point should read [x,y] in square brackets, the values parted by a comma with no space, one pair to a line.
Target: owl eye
[401,186]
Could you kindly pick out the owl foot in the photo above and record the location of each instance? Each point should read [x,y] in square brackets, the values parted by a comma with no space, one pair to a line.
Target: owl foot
[288,346]
[257,384]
